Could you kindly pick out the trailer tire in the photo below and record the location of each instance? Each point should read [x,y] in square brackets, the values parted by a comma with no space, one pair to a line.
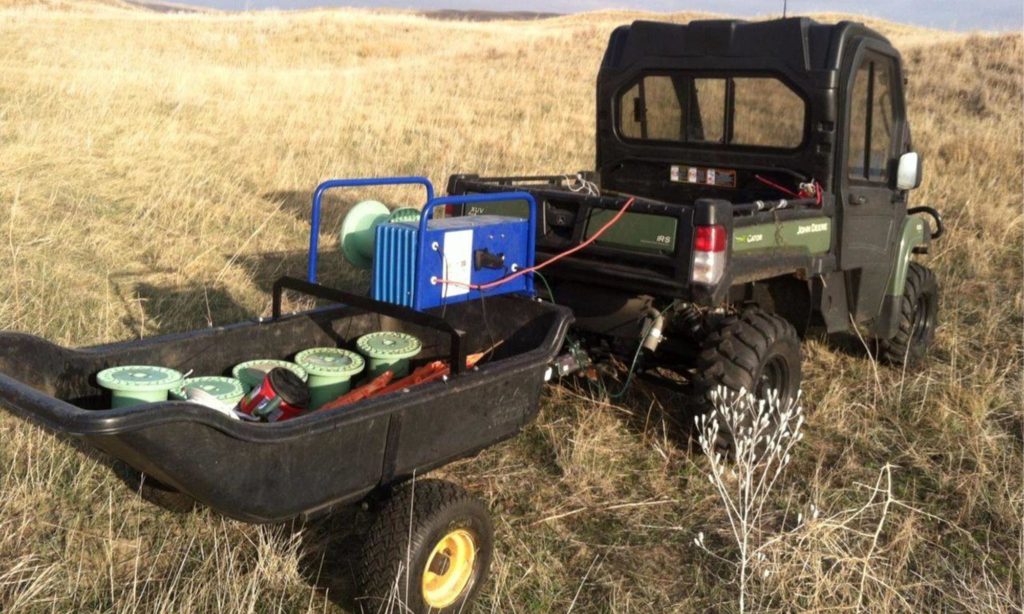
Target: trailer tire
[754,351]
[918,317]
[439,532]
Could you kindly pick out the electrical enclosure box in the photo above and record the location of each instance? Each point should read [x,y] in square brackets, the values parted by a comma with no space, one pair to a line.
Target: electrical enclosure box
[464,250]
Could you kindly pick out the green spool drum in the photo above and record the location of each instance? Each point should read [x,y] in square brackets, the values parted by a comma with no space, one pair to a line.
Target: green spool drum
[359,231]
[226,389]
[252,372]
[388,350]
[330,372]
[137,384]
[404,215]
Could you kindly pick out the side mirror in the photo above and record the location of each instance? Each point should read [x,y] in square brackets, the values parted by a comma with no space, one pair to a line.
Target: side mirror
[908,173]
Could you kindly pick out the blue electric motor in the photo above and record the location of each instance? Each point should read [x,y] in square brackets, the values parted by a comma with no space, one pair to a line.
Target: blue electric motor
[421,262]
[437,261]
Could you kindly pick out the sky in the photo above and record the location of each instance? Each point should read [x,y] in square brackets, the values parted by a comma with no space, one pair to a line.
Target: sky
[999,15]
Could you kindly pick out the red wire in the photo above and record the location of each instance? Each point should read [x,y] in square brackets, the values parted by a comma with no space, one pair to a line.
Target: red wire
[553,259]
[783,189]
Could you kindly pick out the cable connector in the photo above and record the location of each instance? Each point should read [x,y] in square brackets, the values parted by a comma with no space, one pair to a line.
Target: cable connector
[654,333]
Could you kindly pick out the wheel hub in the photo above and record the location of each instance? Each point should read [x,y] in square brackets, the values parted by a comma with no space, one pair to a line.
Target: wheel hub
[449,569]
[774,376]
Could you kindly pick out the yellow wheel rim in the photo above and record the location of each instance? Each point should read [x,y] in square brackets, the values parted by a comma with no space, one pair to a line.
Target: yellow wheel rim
[449,569]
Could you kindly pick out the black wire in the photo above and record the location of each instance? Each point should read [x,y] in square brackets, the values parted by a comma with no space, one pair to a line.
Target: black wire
[444,287]
[487,324]
[483,302]
[551,293]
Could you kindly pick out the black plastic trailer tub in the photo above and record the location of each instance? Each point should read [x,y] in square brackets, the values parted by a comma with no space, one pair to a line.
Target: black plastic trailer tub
[270,472]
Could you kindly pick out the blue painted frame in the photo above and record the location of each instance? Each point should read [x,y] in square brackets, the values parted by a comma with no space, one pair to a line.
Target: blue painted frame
[330,184]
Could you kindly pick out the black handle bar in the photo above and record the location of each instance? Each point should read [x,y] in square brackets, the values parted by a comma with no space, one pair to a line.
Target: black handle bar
[940,228]
[457,354]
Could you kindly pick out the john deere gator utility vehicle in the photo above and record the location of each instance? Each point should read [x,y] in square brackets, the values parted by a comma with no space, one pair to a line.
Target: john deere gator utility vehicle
[771,164]
[751,180]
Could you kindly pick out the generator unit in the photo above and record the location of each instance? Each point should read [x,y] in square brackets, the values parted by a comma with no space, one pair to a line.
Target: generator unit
[441,261]
[421,262]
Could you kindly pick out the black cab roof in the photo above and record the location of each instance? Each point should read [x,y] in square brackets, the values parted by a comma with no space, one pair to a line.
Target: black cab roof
[799,42]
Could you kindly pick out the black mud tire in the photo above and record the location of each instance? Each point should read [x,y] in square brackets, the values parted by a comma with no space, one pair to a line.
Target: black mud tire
[753,351]
[918,317]
[409,524]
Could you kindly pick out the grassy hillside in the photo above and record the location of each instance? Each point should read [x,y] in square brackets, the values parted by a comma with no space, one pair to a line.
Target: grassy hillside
[155,176]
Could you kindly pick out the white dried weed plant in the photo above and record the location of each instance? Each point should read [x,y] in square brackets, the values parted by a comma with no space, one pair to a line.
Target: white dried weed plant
[748,443]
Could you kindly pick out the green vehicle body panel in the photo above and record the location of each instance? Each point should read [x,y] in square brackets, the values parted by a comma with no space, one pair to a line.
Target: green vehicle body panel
[508,208]
[812,234]
[915,231]
[658,234]
[639,231]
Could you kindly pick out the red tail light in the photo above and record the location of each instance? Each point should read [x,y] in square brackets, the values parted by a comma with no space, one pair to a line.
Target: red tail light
[709,239]
[709,243]
[450,210]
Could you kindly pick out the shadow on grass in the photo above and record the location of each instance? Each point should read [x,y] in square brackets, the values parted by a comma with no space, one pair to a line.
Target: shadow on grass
[849,344]
[151,309]
[662,400]
[265,268]
[657,404]
[331,549]
[336,203]
[333,206]
[157,309]
[169,309]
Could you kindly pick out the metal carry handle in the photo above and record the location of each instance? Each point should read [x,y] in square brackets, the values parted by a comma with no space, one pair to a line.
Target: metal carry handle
[330,184]
[469,199]
[457,348]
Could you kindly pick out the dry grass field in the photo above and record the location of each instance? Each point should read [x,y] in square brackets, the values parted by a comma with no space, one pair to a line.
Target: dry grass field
[155,174]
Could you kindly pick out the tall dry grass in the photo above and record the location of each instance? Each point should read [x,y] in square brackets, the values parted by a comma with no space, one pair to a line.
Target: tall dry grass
[155,177]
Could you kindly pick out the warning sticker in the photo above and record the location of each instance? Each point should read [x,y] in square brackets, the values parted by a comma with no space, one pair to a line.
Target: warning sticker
[458,262]
[718,177]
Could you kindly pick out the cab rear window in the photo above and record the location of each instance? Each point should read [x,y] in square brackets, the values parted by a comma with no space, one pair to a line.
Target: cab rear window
[739,111]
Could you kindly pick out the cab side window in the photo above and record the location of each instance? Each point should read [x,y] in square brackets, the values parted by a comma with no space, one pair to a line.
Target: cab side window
[859,122]
[870,144]
[656,114]
[881,122]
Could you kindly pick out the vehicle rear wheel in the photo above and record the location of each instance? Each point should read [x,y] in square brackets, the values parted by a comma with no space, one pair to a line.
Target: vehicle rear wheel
[756,352]
[429,550]
[919,312]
